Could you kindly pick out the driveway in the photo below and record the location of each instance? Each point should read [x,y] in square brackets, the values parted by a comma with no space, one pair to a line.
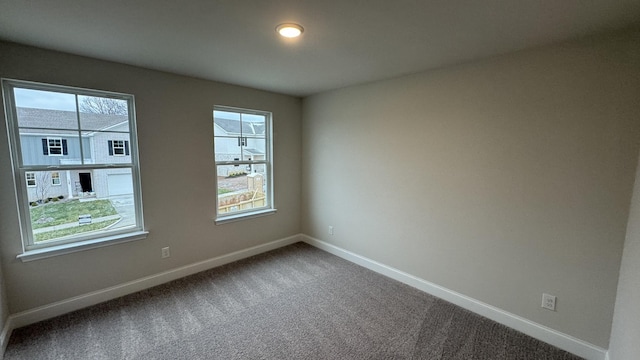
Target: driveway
[125,206]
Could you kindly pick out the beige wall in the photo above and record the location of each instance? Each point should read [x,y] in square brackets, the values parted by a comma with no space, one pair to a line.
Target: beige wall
[4,308]
[500,179]
[626,320]
[175,126]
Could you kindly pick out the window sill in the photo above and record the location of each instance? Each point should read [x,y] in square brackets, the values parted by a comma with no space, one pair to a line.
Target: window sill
[243,216]
[37,254]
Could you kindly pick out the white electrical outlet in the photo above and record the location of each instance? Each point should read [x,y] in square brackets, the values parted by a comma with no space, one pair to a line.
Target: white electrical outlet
[549,302]
[165,252]
[330,230]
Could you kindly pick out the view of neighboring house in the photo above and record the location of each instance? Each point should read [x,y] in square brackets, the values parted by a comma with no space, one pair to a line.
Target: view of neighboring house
[105,140]
[242,159]
[238,140]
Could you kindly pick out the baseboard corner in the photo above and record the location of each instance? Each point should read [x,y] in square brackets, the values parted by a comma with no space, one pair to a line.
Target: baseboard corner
[5,335]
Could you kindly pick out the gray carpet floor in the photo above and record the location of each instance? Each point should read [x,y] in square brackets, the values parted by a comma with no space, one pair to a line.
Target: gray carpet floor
[296,302]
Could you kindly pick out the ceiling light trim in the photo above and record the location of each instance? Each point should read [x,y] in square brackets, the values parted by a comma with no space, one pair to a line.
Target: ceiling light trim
[289,30]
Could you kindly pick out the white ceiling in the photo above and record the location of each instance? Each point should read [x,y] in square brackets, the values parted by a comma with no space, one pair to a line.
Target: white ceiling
[345,42]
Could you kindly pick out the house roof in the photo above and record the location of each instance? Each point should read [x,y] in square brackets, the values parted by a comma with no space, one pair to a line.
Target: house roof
[254,151]
[58,119]
[233,126]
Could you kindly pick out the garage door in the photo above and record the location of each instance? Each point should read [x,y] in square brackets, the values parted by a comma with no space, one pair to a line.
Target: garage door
[119,184]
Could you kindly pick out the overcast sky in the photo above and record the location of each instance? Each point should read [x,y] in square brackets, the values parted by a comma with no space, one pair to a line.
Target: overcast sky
[44,100]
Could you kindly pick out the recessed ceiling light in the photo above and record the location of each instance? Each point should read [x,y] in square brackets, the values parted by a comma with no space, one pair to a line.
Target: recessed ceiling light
[289,30]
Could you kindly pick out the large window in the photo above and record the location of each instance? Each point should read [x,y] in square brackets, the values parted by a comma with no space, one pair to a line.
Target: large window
[76,196]
[242,145]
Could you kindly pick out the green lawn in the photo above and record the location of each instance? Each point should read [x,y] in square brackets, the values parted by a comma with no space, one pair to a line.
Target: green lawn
[56,213]
[73,230]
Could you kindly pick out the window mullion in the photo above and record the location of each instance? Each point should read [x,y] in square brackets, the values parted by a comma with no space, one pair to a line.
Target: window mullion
[79,130]
[77,167]
[242,143]
[243,162]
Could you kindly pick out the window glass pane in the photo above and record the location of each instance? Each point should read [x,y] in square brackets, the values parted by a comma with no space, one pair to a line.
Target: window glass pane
[50,147]
[253,125]
[227,121]
[86,201]
[44,190]
[45,109]
[255,149]
[99,113]
[227,148]
[241,188]
[110,147]
[46,119]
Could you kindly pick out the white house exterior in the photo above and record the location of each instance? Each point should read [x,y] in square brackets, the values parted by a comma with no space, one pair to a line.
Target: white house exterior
[105,140]
[229,135]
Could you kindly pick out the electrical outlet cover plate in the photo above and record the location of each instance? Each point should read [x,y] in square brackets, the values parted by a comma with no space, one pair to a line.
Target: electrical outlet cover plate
[549,302]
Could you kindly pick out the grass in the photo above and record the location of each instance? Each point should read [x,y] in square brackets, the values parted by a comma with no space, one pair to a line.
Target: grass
[223,191]
[73,230]
[68,212]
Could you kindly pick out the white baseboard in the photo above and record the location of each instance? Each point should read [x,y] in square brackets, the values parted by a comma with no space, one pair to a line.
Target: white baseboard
[5,335]
[78,302]
[528,327]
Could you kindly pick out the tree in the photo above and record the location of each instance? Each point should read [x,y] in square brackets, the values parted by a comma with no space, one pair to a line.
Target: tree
[100,105]
[43,185]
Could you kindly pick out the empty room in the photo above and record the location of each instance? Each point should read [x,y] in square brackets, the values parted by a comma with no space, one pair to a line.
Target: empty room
[320,179]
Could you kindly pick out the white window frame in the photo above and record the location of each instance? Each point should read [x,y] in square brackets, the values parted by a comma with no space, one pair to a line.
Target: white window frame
[118,147]
[55,147]
[31,177]
[269,208]
[82,241]
[54,178]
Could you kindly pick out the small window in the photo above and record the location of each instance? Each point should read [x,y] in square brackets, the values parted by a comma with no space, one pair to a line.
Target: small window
[118,147]
[54,146]
[60,127]
[31,179]
[55,178]
[242,147]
